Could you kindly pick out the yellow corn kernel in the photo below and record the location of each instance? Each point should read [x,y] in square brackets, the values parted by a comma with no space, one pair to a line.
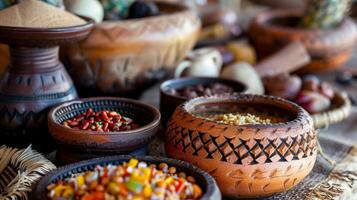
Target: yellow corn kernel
[169,180]
[147,191]
[133,162]
[80,181]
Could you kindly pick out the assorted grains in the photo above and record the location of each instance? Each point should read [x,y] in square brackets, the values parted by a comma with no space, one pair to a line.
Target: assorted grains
[238,119]
[37,14]
[132,180]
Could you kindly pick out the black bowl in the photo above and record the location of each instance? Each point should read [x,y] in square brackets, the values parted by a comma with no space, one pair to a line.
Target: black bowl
[169,102]
[205,181]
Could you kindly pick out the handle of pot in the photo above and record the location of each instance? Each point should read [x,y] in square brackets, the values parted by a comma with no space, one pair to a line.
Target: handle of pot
[181,68]
[292,57]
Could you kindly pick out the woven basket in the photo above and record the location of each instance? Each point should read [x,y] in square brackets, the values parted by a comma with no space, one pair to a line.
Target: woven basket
[19,170]
[340,110]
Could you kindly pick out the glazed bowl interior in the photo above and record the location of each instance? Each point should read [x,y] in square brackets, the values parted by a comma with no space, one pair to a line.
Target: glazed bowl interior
[276,112]
[143,114]
[205,181]
[181,83]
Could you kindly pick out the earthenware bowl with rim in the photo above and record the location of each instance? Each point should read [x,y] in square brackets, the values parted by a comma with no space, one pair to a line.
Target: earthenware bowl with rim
[329,48]
[125,56]
[205,181]
[91,142]
[247,161]
[169,102]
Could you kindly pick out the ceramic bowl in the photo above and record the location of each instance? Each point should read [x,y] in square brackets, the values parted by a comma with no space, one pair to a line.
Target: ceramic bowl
[247,161]
[329,49]
[91,142]
[121,57]
[169,102]
[208,184]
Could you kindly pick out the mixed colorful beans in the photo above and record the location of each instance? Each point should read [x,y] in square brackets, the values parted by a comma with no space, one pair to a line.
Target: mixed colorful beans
[131,180]
[101,121]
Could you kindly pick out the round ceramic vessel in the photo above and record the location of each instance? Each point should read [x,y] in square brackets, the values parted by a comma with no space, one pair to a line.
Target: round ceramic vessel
[92,142]
[208,184]
[329,49]
[121,57]
[169,102]
[247,161]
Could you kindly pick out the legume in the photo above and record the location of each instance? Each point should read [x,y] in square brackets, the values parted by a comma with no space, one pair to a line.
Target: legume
[132,180]
[101,121]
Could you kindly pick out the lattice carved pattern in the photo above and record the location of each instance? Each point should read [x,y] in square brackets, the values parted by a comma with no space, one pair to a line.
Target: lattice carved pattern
[237,151]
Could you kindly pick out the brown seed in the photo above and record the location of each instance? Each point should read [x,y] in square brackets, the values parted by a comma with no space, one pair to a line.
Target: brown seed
[172,170]
[163,166]
[191,179]
[182,175]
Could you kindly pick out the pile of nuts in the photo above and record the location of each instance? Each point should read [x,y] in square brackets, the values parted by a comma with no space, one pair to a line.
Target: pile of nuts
[191,92]
[101,121]
[238,119]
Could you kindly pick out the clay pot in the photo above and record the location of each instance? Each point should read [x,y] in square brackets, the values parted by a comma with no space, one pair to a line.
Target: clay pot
[121,57]
[204,180]
[247,161]
[34,81]
[94,143]
[329,49]
[169,102]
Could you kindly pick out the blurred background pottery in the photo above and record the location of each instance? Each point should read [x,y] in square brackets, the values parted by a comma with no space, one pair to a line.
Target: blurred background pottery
[34,80]
[329,48]
[205,62]
[125,56]
[169,102]
[247,161]
[91,144]
[204,180]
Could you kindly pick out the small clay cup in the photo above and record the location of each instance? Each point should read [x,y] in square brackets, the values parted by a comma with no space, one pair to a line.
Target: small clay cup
[329,48]
[169,102]
[204,180]
[247,161]
[97,143]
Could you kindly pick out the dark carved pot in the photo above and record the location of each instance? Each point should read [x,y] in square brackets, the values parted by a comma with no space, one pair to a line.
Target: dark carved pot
[111,143]
[208,184]
[329,49]
[169,102]
[35,80]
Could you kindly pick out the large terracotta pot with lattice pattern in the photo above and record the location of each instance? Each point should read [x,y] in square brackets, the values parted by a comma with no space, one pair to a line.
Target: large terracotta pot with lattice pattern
[248,161]
[125,56]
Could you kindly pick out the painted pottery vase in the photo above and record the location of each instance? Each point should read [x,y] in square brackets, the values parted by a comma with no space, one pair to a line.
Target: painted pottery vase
[35,79]
[247,161]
